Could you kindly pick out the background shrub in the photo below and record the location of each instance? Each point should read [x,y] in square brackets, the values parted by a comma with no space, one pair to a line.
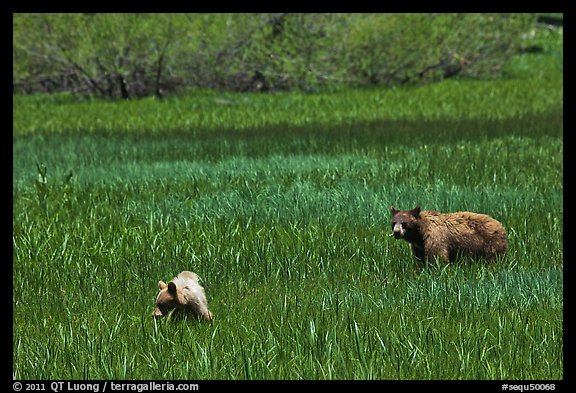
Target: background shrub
[134,55]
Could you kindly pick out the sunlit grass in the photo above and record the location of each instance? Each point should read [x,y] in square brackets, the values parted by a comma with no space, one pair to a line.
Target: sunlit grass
[446,101]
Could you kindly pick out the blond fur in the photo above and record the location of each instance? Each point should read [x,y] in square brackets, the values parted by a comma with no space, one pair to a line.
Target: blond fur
[183,293]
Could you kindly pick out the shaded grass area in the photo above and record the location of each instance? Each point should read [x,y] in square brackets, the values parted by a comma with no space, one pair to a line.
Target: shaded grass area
[183,153]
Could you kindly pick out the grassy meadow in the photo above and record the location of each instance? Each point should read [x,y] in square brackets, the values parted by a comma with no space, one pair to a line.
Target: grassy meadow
[280,203]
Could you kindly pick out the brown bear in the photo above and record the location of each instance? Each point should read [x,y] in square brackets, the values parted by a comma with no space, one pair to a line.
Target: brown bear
[435,235]
[183,294]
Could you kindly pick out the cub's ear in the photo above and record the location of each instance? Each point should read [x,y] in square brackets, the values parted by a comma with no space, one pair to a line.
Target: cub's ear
[161,284]
[394,210]
[415,212]
[172,288]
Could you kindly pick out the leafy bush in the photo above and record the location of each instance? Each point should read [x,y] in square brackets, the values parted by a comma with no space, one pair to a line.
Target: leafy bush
[408,47]
[133,55]
[112,55]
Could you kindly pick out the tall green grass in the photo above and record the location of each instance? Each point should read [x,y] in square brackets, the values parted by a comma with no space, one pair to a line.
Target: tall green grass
[208,110]
[280,204]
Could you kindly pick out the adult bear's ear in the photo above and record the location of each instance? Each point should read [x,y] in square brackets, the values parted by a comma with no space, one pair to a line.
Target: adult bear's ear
[161,284]
[394,210]
[172,288]
[415,212]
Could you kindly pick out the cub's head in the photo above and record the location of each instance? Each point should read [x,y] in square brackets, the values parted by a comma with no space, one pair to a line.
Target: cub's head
[404,222]
[166,300]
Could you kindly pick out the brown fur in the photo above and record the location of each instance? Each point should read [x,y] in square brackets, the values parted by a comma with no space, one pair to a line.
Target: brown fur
[435,235]
[183,294]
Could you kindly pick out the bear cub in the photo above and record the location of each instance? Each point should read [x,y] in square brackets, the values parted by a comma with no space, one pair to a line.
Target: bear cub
[435,235]
[183,294]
